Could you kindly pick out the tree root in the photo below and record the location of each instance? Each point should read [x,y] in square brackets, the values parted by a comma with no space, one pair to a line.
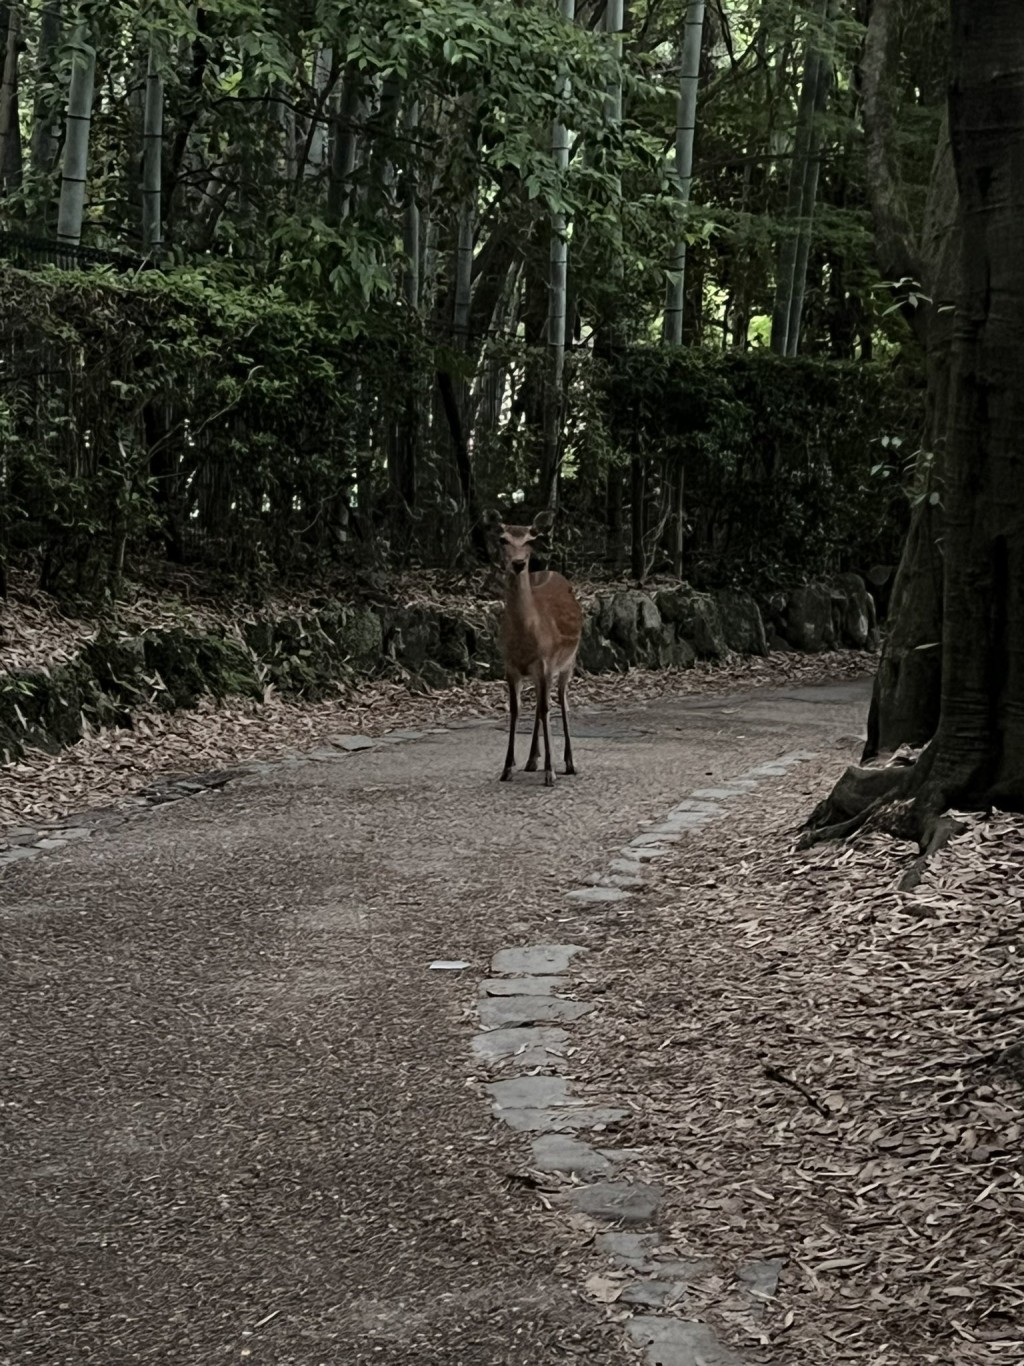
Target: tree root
[942,831]
[895,798]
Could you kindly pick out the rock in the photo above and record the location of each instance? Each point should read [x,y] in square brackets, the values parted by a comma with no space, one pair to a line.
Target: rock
[598,894]
[634,1250]
[433,675]
[673,651]
[618,1202]
[679,1342]
[557,1153]
[854,612]
[540,958]
[528,1093]
[499,1012]
[631,620]
[359,634]
[530,1047]
[696,619]
[761,1277]
[742,625]
[353,743]
[521,986]
[555,1120]
[808,622]
[413,638]
[597,654]
[653,1294]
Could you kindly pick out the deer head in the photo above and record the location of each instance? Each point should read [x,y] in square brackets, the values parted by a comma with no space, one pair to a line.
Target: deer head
[515,542]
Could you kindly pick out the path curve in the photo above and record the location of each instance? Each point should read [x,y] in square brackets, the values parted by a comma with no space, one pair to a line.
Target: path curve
[241,1116]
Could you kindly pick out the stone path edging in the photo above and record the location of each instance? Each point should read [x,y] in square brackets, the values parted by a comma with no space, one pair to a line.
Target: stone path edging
[521,1011]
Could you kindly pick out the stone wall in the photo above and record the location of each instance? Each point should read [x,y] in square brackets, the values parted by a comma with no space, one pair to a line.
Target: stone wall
[431,646]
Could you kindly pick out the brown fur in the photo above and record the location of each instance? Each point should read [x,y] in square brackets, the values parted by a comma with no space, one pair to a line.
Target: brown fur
[540,637]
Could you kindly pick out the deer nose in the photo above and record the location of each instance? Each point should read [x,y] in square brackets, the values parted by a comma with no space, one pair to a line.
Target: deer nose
[518,566]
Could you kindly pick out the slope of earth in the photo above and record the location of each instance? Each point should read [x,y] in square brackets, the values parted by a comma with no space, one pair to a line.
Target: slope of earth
[827,1075]
[241,1118]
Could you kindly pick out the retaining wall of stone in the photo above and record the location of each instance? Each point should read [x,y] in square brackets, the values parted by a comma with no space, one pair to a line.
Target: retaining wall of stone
[668,627]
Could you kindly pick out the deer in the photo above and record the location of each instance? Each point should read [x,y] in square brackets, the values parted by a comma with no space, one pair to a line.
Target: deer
[540,638]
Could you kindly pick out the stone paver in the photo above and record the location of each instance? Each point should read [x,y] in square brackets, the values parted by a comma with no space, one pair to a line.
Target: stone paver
[653,1294]
[533,1047]
[522,986]
[618,1202]
[501,1012]
[761,1277]
[529,1092]
[574,1157]
[539,958]
[352,743]
[598,894]
[562,1121]
[679,1342]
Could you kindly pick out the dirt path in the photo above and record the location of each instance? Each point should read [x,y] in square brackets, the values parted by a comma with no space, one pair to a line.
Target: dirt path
[240,1120]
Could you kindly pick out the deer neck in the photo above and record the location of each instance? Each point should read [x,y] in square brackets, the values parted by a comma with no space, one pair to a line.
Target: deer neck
[519,599]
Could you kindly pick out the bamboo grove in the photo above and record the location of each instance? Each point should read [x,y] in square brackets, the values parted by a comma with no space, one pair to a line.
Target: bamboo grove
[348,271]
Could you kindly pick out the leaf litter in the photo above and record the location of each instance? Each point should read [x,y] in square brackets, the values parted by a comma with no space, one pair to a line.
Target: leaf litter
[832,1072]
[113,763]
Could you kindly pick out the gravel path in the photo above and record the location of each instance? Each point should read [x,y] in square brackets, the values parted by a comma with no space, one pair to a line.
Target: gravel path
[240,1116]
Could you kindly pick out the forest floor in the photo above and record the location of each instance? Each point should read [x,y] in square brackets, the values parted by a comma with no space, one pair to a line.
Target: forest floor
[242,1117]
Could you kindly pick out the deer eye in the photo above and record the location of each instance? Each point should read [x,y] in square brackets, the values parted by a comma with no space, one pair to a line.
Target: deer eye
[504,539]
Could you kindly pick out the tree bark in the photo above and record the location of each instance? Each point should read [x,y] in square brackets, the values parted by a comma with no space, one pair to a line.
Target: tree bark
[345,145]
[803,143]
[76,138]
[809,193]
[976,757]
[152,155]
[10,128]
[45,109]
[905,702]
[557,281]
[686,122]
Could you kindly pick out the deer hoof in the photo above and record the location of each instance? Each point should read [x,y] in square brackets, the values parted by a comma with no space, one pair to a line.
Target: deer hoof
[506,774]
[549,778]
[530,766]
[570,770]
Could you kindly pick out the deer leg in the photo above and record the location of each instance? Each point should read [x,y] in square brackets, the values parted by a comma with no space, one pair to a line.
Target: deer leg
[544,715]
[563,688]
[531,763]
[513,717]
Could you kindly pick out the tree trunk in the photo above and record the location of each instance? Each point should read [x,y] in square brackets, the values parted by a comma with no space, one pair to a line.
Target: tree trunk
[345,146]
[638,517]
[411,214]
[686,122]
[76,138]
[905,703]
[464,250]
[152,155]
[557,282]
[809,193]
[10,127]
[45,110]
[803,144]
[315,160]
[976,757]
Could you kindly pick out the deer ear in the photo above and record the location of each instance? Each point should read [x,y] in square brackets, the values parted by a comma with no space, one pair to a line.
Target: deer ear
[543,521]
[492,520]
